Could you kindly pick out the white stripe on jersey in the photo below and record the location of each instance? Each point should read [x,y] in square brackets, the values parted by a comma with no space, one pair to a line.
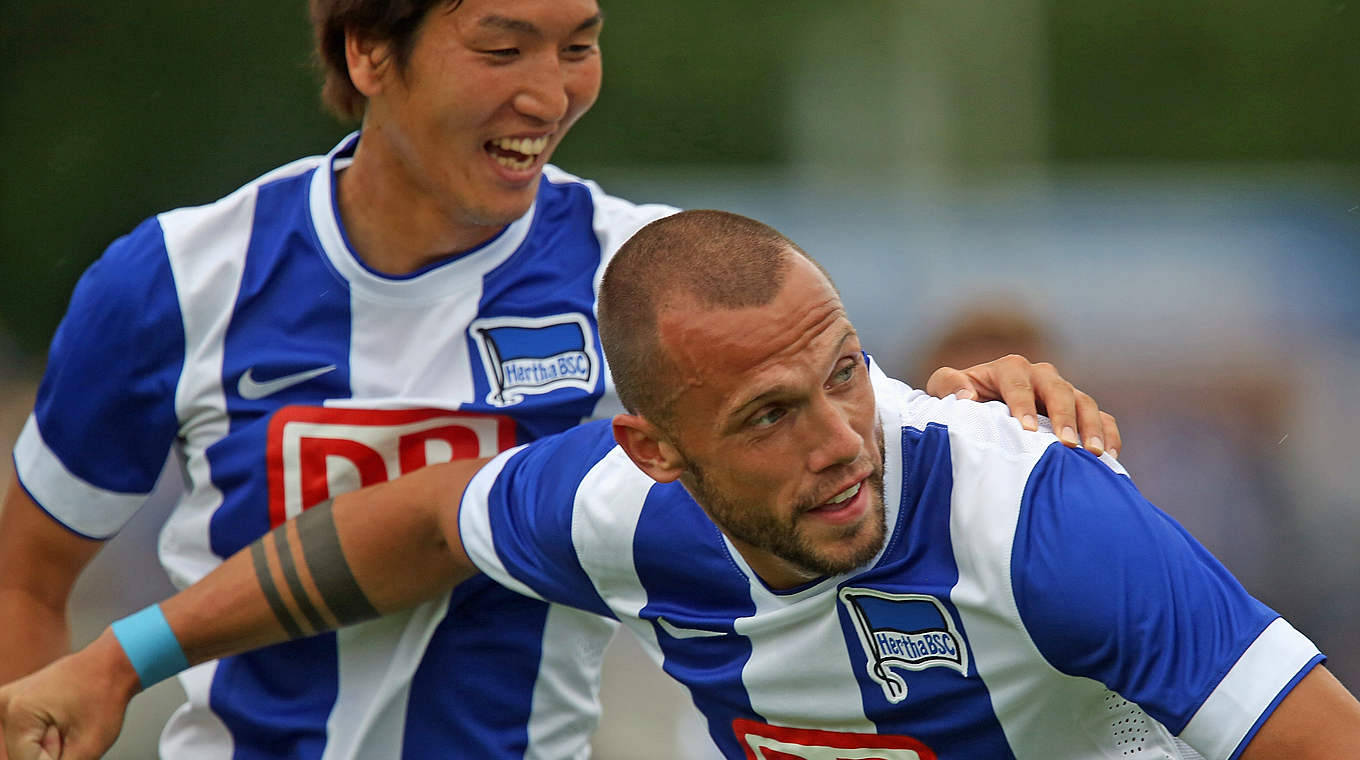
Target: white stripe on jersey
[474,524]
[1221,722]
[608,503]
[562,714]
[193,730]
[383,654]
[207,250]
[206,246]
[805,629]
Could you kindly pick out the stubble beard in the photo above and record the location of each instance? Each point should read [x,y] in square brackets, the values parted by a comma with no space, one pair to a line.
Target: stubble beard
[782,536]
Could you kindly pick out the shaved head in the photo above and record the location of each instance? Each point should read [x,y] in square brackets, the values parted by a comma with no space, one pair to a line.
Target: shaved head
[705,259]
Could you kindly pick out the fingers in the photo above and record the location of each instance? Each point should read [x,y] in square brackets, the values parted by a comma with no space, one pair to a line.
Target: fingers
[51,744]
[1030,389]
[1020,384]
[1113,442]
[1077,417]
[1069,410]
[31,738]
[947,380]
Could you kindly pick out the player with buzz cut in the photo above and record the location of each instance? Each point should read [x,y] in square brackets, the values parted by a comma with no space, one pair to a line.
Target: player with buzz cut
[834,564]
[423,292]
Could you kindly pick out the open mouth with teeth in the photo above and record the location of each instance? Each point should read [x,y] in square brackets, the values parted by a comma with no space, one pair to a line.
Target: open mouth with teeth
[843,508]
[843,496]
[515,152]
[841,501]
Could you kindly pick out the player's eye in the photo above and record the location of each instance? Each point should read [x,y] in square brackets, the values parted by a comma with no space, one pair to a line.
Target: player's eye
[767,417]
[502,52]
[844,374]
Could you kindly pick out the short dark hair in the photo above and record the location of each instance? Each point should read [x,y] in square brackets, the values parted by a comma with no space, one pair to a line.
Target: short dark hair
[396,22]
[709,258]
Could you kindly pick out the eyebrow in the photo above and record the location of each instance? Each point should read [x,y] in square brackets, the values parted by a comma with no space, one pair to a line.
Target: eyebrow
[738,413]
[520,25]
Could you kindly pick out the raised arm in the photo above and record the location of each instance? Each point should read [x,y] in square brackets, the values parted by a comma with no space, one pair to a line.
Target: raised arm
[372,551]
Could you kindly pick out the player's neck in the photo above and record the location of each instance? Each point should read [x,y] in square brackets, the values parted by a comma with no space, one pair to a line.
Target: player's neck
[395,229]
[776,572]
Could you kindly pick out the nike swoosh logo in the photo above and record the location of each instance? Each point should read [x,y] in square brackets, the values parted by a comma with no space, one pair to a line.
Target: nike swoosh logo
[250,389]
[686,633]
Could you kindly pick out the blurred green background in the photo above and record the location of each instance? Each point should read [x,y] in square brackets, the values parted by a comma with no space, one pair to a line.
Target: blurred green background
[115,111]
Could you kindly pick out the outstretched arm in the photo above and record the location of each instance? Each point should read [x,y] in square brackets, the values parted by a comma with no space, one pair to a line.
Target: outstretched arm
[1029,389]
[371,551]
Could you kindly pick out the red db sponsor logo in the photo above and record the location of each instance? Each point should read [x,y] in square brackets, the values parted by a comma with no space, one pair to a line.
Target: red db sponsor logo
[317,453]
[765,742]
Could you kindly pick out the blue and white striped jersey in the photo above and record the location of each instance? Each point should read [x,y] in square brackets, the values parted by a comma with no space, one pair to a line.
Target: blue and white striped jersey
[246,337]
[1028,602]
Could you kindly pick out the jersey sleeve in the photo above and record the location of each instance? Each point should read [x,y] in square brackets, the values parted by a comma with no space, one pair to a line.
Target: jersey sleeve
[516,517]
[1111,588]
[104,419]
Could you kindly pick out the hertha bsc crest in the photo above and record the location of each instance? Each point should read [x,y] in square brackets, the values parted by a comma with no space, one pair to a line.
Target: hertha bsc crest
[524,355]
[908,631]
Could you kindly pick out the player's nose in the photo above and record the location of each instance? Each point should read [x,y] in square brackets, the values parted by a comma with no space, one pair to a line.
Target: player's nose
[834,439]
[544,94]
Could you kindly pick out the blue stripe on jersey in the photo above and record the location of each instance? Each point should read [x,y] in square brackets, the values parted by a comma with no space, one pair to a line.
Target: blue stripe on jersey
[553,272]
[1084,530]
[709,666]
[920,560]
[490,633]
[292,314]
[124,327]
[491,636]
[275,701]
[531,514]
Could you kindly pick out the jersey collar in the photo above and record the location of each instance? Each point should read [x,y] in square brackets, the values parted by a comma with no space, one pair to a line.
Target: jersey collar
[437,282]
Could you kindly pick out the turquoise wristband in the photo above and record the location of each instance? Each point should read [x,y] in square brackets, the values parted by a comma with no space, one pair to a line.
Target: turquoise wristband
[150,645]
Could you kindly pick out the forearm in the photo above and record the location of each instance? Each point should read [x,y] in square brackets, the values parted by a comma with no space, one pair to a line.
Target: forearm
[34,635]
[370,552]
[39,563]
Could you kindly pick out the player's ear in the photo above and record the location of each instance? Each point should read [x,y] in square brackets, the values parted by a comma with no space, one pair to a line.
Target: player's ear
[649,448]
[368,61]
